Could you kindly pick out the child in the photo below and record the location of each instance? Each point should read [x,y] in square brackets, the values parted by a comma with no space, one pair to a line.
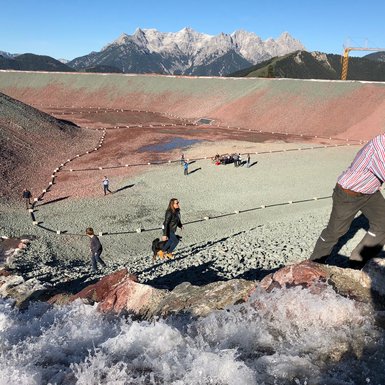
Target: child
[185,168]
[96,249]
[106,184]
[27,198]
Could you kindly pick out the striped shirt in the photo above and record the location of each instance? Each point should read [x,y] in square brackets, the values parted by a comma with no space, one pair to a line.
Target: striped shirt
[367,171]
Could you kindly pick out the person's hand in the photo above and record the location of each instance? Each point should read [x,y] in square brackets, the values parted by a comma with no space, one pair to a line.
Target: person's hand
[164,238]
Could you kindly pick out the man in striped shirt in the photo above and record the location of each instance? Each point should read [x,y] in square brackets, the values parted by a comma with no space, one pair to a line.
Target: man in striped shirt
[358,189]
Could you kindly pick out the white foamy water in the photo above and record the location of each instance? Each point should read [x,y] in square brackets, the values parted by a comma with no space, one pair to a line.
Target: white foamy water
[284,337]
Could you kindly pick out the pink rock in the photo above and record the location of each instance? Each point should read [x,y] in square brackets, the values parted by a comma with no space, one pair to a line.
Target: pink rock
[131,297]
[304,274]
[101,289]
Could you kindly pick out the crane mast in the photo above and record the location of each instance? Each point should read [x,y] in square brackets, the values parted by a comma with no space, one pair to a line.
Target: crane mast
[345,58]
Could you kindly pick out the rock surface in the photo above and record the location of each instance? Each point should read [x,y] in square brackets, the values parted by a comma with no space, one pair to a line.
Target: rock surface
[10,247]
[121,293]
[366,285]
[201,300]
[23,292]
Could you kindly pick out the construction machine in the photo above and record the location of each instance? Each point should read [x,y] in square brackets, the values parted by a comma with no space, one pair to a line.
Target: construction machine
[345,58]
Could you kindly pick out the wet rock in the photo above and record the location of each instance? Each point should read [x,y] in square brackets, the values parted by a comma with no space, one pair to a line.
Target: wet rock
[350,283]
[201,300]
[5,273]
[10,248]
[23,292]
[131,297]
[304,274]
[100,290]
[144,301]
[96,292]
[374,273]
[366,285]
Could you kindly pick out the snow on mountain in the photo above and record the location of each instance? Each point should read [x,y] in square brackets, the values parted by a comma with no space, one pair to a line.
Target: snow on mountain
[187,52]
[199,46]
[7,55]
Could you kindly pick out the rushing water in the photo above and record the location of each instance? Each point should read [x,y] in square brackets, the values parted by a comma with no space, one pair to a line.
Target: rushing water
[284,337]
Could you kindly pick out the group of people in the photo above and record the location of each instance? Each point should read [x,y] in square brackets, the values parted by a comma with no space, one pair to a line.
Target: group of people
[236,159]
[357,189]
[170,239]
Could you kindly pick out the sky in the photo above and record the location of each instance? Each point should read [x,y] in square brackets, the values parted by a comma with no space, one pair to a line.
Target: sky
[66,29]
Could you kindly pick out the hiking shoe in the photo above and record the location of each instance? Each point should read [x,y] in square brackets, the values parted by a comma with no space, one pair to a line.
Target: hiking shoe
[170,255]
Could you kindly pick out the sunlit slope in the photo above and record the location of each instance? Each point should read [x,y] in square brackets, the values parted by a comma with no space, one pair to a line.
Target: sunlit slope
[348,109]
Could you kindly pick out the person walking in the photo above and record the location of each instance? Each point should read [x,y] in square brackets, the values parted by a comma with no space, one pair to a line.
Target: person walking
[235,159]
[358,189]
[172,221]
[182,159]
[96,249]
[185,168]
[248,161]
[27,198]
[106,184]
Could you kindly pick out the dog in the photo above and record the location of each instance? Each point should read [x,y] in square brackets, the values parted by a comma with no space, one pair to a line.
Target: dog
[157,249]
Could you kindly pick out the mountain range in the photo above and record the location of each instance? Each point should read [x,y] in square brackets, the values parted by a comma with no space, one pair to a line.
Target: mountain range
[31,62]
[188,52]
[317,65]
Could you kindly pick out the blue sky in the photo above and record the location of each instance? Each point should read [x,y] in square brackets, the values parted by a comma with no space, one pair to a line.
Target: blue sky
[72,28]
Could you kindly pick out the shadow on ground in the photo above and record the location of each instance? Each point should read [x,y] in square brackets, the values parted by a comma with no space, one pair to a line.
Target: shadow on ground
[53,201]
[124,188]
[202,275]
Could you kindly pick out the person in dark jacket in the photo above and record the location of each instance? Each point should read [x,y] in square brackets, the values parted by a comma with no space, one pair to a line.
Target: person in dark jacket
[27,198]
[96,249]
[171,222]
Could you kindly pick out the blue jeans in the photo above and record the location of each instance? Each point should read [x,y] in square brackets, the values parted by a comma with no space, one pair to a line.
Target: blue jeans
[106,188]
[172,243]
[95,257]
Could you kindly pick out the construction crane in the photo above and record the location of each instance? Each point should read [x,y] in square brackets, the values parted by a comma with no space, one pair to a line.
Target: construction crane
[345,58]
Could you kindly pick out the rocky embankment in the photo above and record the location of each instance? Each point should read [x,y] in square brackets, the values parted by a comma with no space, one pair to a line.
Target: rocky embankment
[121,293]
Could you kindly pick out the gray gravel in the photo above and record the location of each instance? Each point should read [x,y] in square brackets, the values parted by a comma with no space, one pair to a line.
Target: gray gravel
[245,245]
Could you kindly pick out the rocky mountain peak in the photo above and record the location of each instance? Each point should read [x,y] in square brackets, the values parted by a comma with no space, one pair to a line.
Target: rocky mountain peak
[183,51]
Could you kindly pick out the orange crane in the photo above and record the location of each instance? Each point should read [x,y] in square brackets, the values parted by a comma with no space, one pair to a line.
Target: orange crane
[345,58]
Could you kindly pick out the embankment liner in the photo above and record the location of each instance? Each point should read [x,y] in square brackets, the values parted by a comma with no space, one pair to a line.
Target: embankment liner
[354,110]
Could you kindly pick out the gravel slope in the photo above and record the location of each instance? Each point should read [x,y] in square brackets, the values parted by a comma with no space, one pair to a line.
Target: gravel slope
[243,245]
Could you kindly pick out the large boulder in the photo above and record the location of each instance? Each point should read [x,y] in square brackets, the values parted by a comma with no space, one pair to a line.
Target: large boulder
[133,298]
[22,292]
[96,292]
[10,248]
[144,301]
[201,300]
[366,285]
[303,274]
